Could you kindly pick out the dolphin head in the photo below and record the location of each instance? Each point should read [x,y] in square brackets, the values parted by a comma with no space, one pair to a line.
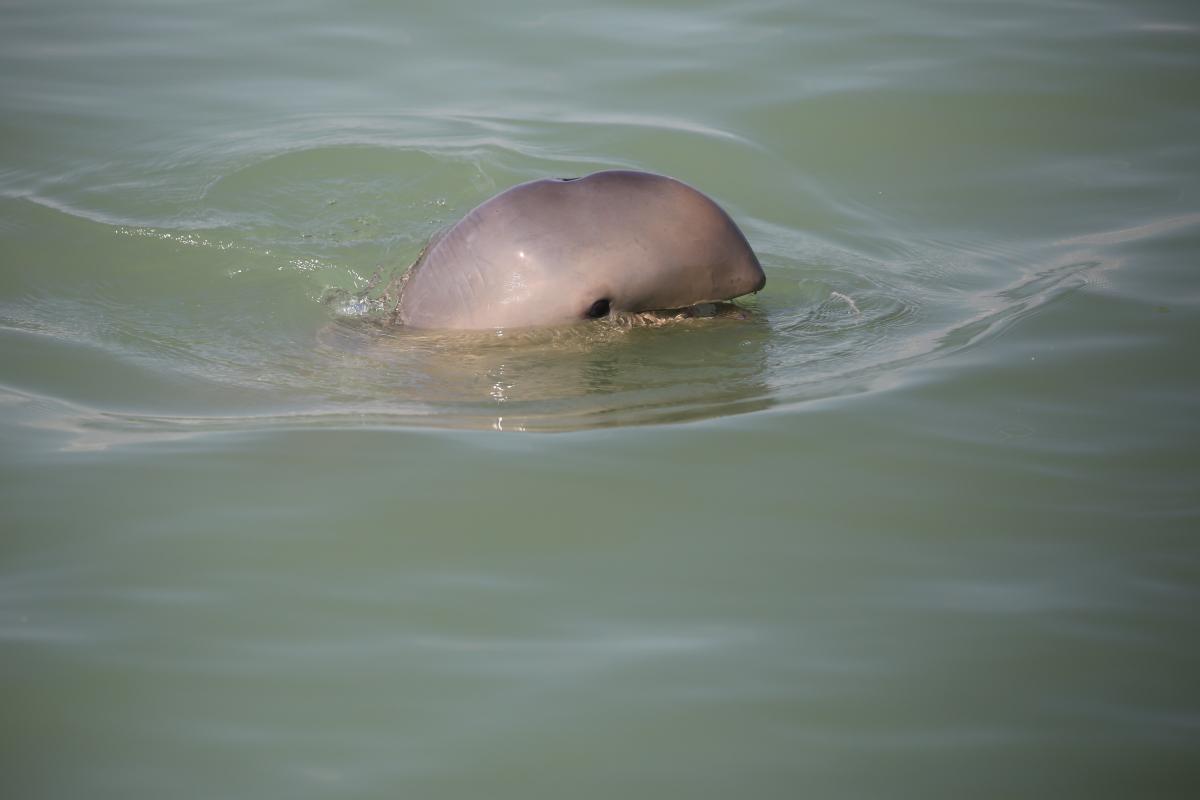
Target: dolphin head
[559,251]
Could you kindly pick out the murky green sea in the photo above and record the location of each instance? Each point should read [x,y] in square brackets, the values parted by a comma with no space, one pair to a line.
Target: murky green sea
[926,523]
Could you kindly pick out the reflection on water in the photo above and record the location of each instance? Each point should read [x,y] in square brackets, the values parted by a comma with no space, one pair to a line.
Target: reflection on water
[589,375]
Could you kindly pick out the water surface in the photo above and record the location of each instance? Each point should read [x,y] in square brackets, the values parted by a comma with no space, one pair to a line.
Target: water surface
[922,524]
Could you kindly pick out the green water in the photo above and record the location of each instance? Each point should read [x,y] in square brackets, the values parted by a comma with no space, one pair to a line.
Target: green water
[925,524]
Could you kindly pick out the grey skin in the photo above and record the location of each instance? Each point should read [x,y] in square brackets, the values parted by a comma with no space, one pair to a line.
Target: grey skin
[559,251]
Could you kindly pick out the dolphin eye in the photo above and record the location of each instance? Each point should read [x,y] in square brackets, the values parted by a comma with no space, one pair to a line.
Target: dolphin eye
[568,180]
[599,309]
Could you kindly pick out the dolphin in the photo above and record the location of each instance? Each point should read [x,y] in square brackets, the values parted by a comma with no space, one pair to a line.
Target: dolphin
[557,251]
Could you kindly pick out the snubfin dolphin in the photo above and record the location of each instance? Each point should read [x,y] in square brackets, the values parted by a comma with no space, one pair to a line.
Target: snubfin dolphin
[558,251]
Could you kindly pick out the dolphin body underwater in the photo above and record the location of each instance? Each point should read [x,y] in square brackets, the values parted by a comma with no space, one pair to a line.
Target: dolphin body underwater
[562,250]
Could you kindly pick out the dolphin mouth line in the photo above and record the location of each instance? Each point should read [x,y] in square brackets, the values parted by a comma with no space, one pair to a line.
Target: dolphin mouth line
[665,316]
